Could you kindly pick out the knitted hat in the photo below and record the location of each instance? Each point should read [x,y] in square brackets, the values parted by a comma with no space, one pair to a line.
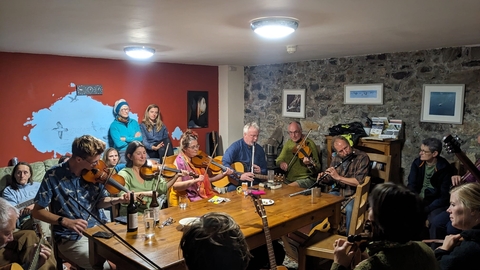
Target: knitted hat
[118,105]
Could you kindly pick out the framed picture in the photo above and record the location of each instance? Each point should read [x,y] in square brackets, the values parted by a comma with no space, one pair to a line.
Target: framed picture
[197,111]
[293,104]
[443,103]
[363,94]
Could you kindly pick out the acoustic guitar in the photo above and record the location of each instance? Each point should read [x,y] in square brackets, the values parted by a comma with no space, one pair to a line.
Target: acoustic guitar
[257,201]
[238,169]
[12,266]
[452,145]
[20,206]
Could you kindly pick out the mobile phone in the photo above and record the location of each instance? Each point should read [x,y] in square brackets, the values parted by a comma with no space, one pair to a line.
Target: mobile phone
[121,219]
[101,234]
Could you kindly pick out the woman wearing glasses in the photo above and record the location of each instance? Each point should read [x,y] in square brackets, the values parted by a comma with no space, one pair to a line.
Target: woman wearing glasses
[429,177]
[194,188]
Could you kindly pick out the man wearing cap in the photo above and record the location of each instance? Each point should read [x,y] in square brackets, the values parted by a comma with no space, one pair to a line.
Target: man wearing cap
[123,129]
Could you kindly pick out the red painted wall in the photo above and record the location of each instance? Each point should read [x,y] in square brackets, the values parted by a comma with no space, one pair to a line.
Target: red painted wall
[30,82]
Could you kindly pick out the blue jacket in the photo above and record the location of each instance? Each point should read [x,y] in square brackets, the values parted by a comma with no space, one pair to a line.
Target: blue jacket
[239,151]
[152,137]
[439,196]
[119,129]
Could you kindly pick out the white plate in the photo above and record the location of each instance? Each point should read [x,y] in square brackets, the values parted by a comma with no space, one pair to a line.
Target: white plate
[187,221]
[267,201]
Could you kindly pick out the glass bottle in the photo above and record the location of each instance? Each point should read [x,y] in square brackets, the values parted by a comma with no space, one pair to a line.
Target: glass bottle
[132,215]
[156,207]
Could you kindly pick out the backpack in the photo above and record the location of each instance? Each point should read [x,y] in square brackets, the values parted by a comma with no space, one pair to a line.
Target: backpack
[352,131]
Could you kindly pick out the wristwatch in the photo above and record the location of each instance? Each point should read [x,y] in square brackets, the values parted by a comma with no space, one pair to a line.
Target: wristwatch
[59,221]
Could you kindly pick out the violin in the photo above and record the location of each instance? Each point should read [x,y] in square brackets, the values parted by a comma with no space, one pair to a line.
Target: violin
[102,174]
[149,171]
[302,150]
[202,161]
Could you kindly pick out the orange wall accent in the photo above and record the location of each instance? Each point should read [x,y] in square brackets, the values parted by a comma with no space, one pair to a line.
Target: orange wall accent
[30,82]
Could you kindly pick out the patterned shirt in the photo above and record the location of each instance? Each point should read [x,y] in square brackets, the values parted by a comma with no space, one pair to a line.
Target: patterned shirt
[358,167]
[62,191]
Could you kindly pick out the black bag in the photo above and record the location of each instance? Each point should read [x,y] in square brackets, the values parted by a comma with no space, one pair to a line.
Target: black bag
[354,129]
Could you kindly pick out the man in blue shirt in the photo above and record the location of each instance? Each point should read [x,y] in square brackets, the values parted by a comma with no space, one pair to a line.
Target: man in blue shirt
[242,151]
[63,189]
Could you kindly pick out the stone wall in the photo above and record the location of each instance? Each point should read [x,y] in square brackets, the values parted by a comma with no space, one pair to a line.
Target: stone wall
[402,75]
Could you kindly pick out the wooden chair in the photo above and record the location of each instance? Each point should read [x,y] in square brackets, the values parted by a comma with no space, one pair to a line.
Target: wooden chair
[380,167]
[320,244]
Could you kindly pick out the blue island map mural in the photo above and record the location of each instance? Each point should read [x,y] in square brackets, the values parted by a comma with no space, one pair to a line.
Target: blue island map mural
[53,129]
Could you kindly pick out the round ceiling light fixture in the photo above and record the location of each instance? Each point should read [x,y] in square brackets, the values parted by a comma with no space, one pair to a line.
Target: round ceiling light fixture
[274,27]
[139,52]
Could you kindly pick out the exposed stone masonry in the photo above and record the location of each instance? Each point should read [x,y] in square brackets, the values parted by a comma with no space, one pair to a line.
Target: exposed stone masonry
[402,74]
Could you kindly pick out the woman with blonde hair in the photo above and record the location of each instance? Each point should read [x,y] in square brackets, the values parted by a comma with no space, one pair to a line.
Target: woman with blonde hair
[196,188]
[155,133]
[460,251]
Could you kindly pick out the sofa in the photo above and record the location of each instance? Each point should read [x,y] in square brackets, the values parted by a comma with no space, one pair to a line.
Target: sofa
[39,168]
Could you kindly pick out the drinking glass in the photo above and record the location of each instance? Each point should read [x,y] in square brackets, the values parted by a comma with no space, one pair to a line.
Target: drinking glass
[183,201]
[245,188]
[149,223]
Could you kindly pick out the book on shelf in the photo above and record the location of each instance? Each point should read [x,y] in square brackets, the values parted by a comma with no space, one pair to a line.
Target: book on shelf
[382,128]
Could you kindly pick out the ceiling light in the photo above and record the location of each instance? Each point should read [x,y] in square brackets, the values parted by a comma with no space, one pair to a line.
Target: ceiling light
[139,52]
[274,27]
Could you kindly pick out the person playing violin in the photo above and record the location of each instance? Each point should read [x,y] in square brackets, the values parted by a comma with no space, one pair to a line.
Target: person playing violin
[397,220]
[250,154]
[63,189]
[136,156]
[299,158]
[196,188]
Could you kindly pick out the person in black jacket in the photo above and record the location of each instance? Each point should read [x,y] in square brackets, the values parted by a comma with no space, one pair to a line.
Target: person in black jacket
[460,251]
[429,177]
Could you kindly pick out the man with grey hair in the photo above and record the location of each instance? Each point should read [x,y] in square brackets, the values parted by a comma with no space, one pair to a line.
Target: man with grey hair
[19,247]
[242,151]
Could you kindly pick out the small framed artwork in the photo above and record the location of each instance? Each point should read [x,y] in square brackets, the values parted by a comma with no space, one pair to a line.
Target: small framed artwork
[367,94]
[197,111]
[443,103]
[293,104]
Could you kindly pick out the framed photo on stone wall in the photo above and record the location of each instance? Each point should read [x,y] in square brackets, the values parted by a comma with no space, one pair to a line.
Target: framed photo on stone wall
[293,104]
[366,94]
[443,103]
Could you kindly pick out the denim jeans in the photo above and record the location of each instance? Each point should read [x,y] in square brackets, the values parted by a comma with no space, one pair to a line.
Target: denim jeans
[348,211]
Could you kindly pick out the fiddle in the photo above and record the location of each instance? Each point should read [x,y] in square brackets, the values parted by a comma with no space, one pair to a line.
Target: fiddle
[302,150]
[149,171]
[203,161]
[102,174]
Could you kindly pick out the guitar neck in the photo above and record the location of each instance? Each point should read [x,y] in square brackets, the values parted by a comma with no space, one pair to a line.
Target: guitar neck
[268,239]
[20,206]
[469,165]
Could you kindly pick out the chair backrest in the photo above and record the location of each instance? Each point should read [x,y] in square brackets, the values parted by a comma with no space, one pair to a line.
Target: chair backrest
[360,207]
[380,166]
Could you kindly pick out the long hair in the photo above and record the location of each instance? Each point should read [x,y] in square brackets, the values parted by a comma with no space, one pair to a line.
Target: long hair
[146,119]
[215,241]
[14,183]
[469,195]
[398,214]
[131,148]
[107,152]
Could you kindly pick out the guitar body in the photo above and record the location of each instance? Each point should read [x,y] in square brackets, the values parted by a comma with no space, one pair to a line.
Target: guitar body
[237,166]
[12,266]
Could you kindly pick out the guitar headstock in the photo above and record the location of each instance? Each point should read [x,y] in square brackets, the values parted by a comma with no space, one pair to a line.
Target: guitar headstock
[452,144]
[257,201]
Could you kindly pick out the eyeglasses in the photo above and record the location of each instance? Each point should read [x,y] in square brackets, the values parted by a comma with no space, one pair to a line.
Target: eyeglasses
[294,132]
[425,151]
[194,147]
[91,163]
[125,109]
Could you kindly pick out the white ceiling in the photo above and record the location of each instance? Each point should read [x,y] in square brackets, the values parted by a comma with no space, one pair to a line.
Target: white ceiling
[217,32]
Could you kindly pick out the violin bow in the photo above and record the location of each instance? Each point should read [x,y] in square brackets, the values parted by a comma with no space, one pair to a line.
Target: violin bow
[161,168]
[298,149]
[210,159]
[136,251]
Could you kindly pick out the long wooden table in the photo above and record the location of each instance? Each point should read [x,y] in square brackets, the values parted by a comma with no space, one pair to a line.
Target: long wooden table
[286,215]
